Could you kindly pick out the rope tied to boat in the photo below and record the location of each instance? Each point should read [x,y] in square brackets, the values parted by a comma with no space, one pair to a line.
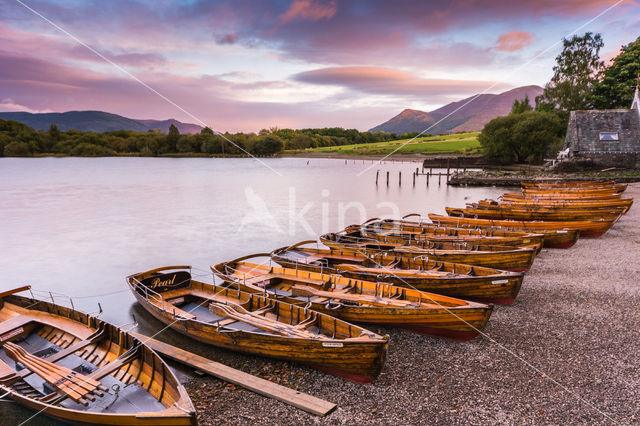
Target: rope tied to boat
[116,390]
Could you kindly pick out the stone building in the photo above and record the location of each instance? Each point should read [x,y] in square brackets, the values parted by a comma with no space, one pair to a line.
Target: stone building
[605,138]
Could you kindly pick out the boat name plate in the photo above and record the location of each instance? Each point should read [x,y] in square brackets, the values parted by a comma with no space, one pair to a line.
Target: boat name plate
[332,344]
[500,282]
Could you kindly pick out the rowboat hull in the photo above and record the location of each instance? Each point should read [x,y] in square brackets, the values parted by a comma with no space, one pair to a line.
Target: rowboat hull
[513,259]
[407,230]
[587,228]
[357,359]
[102,349]
[624,204]
[579,191]
[426,313]
[566,202]
[544,215]
[466,282]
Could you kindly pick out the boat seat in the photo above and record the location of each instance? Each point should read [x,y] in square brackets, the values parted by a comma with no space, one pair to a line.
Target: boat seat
[5,370]
[168,307]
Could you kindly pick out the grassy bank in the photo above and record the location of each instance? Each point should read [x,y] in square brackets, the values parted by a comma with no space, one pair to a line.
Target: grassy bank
[460,143]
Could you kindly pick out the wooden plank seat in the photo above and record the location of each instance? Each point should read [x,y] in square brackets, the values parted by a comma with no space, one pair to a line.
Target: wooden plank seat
[169,307]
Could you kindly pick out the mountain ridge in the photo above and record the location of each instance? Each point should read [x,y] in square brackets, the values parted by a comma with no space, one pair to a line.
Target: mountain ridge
[95,121]
[470,114]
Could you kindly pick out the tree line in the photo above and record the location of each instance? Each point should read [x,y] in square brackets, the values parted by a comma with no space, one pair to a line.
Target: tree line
[20,140]
[580,81]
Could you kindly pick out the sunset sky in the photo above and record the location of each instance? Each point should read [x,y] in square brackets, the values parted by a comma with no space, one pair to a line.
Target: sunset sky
[245,65]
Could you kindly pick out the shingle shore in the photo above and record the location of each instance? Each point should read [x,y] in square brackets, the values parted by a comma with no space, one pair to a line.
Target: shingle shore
[576,319]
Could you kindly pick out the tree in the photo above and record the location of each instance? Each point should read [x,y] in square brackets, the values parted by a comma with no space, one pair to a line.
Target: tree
[575,74]
[17,149]
[268,145]
[617,82]
[527,136]
[521,106]
[172,138]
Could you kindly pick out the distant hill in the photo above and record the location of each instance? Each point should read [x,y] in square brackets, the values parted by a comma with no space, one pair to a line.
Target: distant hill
[95,121]
[471,117]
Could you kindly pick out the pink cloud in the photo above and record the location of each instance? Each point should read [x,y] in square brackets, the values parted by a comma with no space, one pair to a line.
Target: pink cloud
[309,10]
[388,81]
[514,40]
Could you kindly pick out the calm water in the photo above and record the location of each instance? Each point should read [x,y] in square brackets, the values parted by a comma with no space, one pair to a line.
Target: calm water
[78,226]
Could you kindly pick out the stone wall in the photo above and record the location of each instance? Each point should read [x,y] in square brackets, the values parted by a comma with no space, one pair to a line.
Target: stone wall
[583,138]
[583,132]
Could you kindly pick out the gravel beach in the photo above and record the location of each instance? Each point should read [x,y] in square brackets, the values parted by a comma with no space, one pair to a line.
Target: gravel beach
[566,351]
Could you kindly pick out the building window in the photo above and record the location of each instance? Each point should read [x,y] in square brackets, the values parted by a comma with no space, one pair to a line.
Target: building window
[608,136]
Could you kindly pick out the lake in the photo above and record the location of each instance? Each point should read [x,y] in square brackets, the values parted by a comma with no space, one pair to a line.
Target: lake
[78,226]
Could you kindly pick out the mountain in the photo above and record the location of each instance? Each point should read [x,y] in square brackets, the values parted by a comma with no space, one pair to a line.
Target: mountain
[95,121]
[471,117]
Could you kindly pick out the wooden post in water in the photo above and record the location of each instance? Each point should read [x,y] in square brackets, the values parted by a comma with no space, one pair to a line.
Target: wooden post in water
[447,175]
[414,178]
[399,178]
[428,179]
[387,178]
[417,170]
[439,178]
[377,173]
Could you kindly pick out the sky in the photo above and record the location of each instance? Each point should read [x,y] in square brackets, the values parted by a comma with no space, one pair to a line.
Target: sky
[242,65]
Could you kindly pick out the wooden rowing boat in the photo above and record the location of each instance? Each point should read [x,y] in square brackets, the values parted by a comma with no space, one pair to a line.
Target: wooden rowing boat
[487,285]
[575,184]
[624,204]
[552,238]
[517,259]
[588,228]
[358,300]
[565,196]
[431,232]
[257,325]
[582,191]
[79,369]
[540,213]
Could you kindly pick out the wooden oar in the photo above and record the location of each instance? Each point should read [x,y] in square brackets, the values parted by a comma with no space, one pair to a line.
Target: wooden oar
[75,385]
[54,380]
[306,291]
[83,381]
[395,272]
[237,312]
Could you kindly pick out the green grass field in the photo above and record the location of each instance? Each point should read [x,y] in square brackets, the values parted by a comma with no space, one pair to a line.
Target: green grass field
[462,143]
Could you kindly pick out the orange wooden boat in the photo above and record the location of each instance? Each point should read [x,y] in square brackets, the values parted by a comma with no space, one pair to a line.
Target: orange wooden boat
[623,203]
[517,259]
[82,370]
[565,196]
[583,191]
[409,231]
[588,228]
[487,285]
[575,184]
[541,213]
[257,325]
[561,238]
[358,300]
